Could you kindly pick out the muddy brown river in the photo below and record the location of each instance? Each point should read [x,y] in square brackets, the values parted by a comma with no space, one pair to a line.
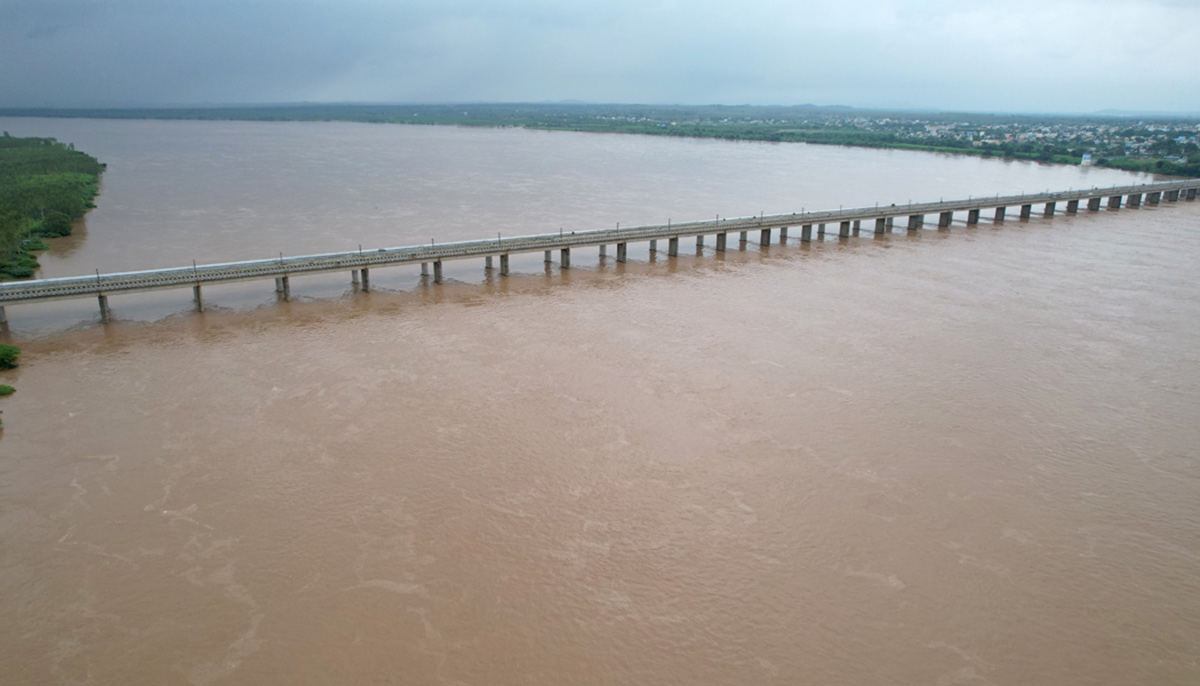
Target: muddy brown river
[958,456]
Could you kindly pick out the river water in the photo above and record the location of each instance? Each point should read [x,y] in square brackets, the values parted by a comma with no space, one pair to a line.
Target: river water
[947,457]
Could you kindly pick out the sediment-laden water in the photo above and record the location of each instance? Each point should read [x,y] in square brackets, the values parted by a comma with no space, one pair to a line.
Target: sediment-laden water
[957,456]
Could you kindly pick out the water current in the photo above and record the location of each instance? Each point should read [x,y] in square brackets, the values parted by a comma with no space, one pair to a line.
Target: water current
[958,456]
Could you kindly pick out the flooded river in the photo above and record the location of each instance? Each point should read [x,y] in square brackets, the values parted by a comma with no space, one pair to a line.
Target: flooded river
[962,456]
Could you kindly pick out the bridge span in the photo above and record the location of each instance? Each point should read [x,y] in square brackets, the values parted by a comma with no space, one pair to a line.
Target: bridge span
[848,222]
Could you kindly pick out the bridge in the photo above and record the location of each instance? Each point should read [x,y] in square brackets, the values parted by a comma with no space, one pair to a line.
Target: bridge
[848,222]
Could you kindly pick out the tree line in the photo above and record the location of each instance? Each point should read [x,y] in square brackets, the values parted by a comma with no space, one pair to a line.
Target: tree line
[44,186]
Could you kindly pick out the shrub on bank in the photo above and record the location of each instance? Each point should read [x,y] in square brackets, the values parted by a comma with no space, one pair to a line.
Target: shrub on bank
[6,390]
[8,355]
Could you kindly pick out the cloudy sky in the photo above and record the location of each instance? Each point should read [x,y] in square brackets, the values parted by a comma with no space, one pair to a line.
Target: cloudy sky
[976,55]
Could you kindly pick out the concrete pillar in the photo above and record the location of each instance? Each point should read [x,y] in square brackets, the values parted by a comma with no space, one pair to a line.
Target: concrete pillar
[1114,203]
[622,251]
[487,263]
[504,264]
[604,251]
[564,258]
[353,277]
[1172,196]
[891,222]
[654,246]
[880,225]
[1026,211]
[287,288]
[820,229]
[857,226]
[1072,206]
[366,280]
[972,217]
[547,257]
[1191,194]
[1094,204]
[1153,198]
[1135,200]
[743,237]
[278,285]
[806,233]
[1048,210]
[844,229]
[700,241]
[104,312]
[437,271]
[424,269]
[945,218]
[1000,214]
[197,298]
[3,317]
[765,237]
[916,221]
[673,246]
[721,238]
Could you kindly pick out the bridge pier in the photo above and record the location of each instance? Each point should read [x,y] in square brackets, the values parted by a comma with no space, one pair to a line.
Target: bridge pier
[1072,206]
[424,269]
[744,237]
[1094,204]
[721,238]
[806,233]
[699,241]
[972,217]
[916,221]
[504,264]
[287,288]
[105,314]
[1048,210]
[1153,198]
[564,258]
[3,318]
[1172,196]
[765,238]
[880,225]
[1026,211]
[622,251]
[783,235]
[844,229]
[199,300]
[278,284]
[487,263]
[891,223]
[653,246]
[354,278]
[1000,214]
[673,246]
[1191,194]
[546,258]
[366,280]
[820,230]
[437,271]
[604,251]
[1135,200]
[1114,203]
[944,219]
[857,226]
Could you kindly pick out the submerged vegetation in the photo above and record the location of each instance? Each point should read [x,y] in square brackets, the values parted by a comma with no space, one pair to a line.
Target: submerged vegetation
[1160,144]
[44,186]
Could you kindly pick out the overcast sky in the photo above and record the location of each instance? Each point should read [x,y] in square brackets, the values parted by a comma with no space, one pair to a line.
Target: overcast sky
[975,55]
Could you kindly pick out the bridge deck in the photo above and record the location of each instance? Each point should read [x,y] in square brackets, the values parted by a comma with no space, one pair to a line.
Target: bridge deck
[12,293]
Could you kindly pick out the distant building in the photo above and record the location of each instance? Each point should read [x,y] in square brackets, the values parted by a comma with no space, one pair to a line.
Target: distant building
[1086,160]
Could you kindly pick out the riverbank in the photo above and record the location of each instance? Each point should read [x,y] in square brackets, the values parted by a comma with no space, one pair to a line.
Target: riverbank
[44,187]
[1159,145]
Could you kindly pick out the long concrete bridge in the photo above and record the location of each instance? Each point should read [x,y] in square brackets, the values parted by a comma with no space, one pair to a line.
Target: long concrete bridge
[847,221]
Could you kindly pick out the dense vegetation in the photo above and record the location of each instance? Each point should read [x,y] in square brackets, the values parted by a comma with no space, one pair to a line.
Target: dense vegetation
[44,187]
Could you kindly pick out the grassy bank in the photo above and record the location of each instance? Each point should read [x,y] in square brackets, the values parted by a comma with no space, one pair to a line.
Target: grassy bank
[44,186]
